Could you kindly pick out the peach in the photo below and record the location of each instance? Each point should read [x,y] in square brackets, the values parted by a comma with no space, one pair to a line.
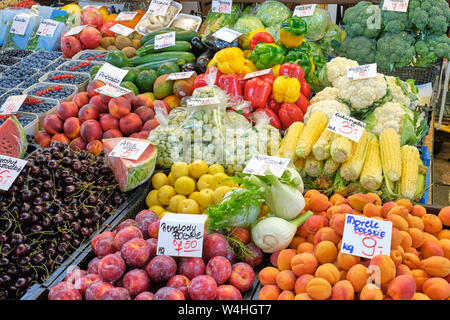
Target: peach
[296,242]
[305,247]
[284,259]
[109,122]
[97,101]
[136,281]
[329,272]
[214,244]
[168,293]
[80,99]
[136,252]
[436,266]
[142,100]
[319,289]
[397,221]
[72,127]
[150,124]
[302,282]
[219,268]
[386,268]
[325,252]
[359,200]
[91,130]
[126,234]
[286,295]
[95,147]
[66,110]
[372,210]
[319,202]
[403,269]
[432,223]
[436,288]
[430,249]
[130,123]
[396,238]
[314,223]
[112,133]
[43,138]
[88,112]
[402,288]
[61,137]
[406,240]
[103,244]
[161,268]
[419,277]
[444,215]
[269,292]
[418,211]
[140,135]
[274,258]
[420,296]
[411,260]
[303,263]
[326,234]
[346,261]
[342,290]
[92,86]
[78,144]
[445,244]
[191,267]
[145,113]
[286,280]
[119,107]
[303,296]
[444,234]
[371,292]
[337,223]
[53,124]
[268,275]
[396,256]
[111,267]
[242,276]
[415,222]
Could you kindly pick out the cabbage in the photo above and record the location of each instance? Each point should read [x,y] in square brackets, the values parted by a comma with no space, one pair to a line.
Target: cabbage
[317,24]
[316,50]
[247,24]
[274,31]
[272,12]
[334,33]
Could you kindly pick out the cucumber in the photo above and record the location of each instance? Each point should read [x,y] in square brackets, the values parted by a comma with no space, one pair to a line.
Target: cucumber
[152,35]
[183,35]
[179,46]
[155,64]
[163,56]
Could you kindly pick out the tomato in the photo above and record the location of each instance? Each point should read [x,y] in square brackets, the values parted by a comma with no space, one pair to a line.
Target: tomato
[273,118]
[288,114]
[304,89]
[303,103]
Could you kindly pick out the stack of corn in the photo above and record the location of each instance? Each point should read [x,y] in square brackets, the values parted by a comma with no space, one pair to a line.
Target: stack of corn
[316,151]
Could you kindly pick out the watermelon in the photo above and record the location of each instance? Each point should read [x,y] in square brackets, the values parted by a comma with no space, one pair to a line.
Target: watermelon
[13,139]
[130,173]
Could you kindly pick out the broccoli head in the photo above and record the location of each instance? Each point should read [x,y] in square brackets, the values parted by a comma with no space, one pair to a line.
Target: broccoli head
[393,21]
[395,50]
[364,19]
[430,15]
[432,48]
[361,49]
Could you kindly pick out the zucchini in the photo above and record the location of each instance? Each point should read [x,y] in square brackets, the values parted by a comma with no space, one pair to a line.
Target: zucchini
[152,35]
[162,56]
[155,64]
[183,35]
[178,46]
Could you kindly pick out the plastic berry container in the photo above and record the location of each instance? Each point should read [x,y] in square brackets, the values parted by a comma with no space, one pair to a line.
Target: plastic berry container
[79,79]
[92,55]
[39,106]
[60,92]
[78,66]
[10,92]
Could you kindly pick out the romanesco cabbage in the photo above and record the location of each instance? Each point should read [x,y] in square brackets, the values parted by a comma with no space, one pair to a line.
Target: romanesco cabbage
[364,19]
[395,50]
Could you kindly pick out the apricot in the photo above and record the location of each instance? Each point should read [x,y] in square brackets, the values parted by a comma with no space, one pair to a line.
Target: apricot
[305,247]
[415,222]
[304,263]
[385,208]
[311,238]
[406,203]
[416,237]
[420,296]
[413,251]
[402,288]
[319,289]
[445,244]
[342,208]
[406,240]
[274,258]
[411,260]
[286,280]
[359,200]
[319,202]
[342,290]
[269,292]
[397,221]
[326,234]
[337,223]
[357,275]
[310,192]
[403,269]
[418,211]
[444,234]
[329,272]
[336,198]
[375,198]
[286,295]
[386,268]
[396,238]
[295,242]
[303,296]
[372,210]
[419,277]
[432,223]
[325,252]
[284,259]
[268,275]
[301,231]
[430,249]
[302,282]
[371,292]
[436,288]
[315,223]
[396,256]
[429,237]
[444,215]
[436,266]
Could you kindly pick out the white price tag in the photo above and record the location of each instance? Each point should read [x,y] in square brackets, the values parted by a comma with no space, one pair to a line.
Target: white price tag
[259,164]
[396,5]
[111,74]
[159,7]
[47,28]
[366,237]
[304,10]
[165,40]
[74,31]
[181,235]
[20,23]
[365,71]
[346,126]
[180,75]
[10,169]
[126,16]
[121,29]
[92,6]
[12,104]
[257,73]
[226,34]
[202,101]
[221,6]
[129,149]
[112,90]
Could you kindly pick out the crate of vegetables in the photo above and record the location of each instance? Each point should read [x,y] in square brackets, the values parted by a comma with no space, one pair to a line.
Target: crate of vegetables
[78,66]
[79,79]
[61,92]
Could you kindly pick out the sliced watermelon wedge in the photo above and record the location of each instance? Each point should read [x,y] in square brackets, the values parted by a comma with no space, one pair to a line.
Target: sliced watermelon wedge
[130,174]
[13,139]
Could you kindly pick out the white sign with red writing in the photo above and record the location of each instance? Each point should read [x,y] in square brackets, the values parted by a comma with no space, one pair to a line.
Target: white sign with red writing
[221,6]
[112,90]
[159,7]
[366,237]
[396,5]
[165,40]
[259,164]
[47,28]
[121,29]
[304,10]
[365,71]
[20,23]
[257,73]
[181,235]
[110,74]
[12,104]
[126,16]
[226,34]
[10,169]
[194,102]
[346,126]
[74,31]
[129,149]
[180,75]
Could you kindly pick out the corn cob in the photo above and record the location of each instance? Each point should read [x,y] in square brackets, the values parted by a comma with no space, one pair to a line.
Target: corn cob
[330,166]
[313,129]
[351,169]
[321,149]
[299,164]
[410,171]
[420,186]
[290,140]
[371,174]
[313,167]
[341,148]
[391,156]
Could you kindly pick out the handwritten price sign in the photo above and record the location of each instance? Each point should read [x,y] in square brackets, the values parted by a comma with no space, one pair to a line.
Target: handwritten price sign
[257,73]
[259,164]
[304,11]
[221,6]
[121,29]
[112,90]
[129,149]
[12,104]
[180,75]
[20,24]
[74,31]
[362,72]
[10,169]
[165,40]
[111,74]
[126,16]
[47,28]
[181,235]
[346,126]
[366,237]
[226,34]
[159,7]
[396,5]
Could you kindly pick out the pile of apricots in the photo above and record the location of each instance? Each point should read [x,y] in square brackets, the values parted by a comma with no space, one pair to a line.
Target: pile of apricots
[313,268]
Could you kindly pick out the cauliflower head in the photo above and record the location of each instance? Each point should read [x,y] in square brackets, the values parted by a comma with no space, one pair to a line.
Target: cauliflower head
[329,93]
[329,107]
[398,96]
[337,69]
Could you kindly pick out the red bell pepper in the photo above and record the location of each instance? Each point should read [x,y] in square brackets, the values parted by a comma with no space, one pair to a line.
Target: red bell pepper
[305,89]
[273,104]
[261,37]
[302,103]
[231,83]
[200,81]
[293,71]
[273,118]
[288,114]
[270,77]
[257,92]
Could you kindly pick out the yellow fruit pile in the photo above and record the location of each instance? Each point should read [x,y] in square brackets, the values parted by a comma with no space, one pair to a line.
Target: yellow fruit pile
[189,188]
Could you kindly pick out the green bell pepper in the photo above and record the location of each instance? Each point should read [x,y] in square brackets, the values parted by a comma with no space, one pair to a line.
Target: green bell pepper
[266,55]
[301,58]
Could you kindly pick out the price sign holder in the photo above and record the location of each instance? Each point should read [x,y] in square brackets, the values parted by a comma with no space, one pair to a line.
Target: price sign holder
[126,16]
[129,149]
[112,90]
[121,29]
[74,31]
[226,34]
[159,7]
[10,169]
[221,6]
[396,5]
[366,237]
[12,104]
[259,164]
[304,10]
[181,235]
[180,75]
[365,71]
[346,126]
[165,40]
[47,28]
[257,73]
[20,23]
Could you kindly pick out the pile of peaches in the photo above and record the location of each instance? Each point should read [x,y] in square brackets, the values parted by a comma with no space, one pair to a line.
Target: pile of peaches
[92,116]
[126,267]
[313,268]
